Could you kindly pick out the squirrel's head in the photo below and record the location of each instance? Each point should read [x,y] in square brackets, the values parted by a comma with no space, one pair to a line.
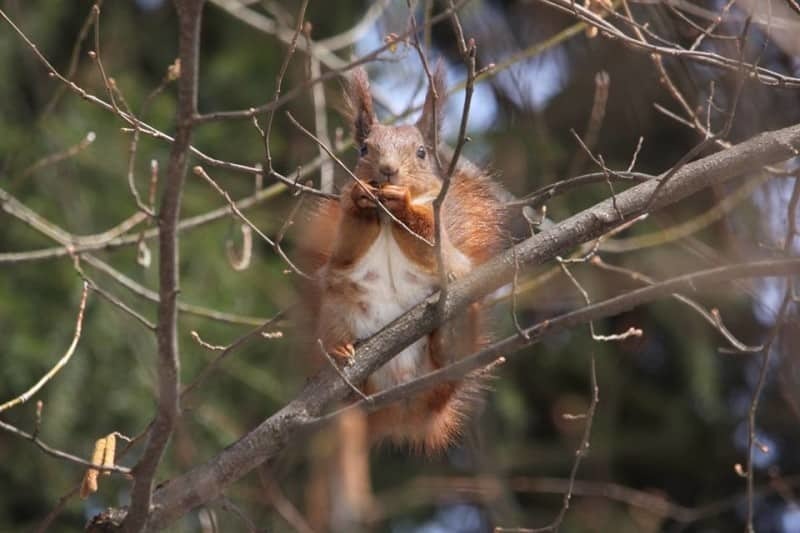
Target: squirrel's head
[401,155]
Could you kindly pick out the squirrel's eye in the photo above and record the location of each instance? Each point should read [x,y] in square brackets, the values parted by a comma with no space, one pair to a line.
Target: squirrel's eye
[362,150]
[421,152]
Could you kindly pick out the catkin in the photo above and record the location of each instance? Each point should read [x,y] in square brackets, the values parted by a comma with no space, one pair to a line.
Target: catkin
[89,484]
[111,449]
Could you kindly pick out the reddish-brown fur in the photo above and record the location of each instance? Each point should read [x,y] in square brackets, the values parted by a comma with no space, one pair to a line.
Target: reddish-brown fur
[405,180]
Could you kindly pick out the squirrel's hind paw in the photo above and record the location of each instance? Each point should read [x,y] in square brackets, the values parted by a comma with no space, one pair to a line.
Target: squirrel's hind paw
[344,353]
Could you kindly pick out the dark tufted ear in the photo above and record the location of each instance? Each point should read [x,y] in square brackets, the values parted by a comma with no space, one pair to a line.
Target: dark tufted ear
[426,122]
[359,104]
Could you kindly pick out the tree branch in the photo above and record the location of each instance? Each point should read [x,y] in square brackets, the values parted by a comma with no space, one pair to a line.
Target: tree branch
[205,482]
[61,363]
[189,17]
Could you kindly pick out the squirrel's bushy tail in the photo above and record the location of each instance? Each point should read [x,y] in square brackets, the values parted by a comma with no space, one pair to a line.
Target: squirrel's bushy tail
[432,421]
[429,422]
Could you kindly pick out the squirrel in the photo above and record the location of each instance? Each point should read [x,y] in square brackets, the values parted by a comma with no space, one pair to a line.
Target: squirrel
[375,264]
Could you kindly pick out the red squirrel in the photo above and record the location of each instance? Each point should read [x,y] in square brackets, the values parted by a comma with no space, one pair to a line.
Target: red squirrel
[372,269]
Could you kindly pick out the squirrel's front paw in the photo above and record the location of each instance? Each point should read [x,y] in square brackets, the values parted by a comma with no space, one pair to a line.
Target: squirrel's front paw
[395,197]
[364,196]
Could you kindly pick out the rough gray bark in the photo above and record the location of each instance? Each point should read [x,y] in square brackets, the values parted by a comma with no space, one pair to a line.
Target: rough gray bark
[206,482]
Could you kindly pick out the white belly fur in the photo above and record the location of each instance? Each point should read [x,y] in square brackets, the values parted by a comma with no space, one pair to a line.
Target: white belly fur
[392,285]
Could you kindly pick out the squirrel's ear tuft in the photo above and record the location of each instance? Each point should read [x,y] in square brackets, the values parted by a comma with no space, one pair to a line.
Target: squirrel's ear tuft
[434,104]
[359,104]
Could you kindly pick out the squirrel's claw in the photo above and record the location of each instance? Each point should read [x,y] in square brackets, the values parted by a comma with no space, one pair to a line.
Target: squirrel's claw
[343,353]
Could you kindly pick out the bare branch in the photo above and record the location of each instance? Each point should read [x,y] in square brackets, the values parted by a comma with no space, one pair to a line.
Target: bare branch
[114,239]
[533,334]
[58,454]
[763,75]
[57,157]
[425,487]
[73,59]
[105,240]
[44,525]
[773,335]
[542,195]
[580,453]
[116,301]
[145,128]
[337,66]
[712,317]
[602,81]
[205,481]
[189,16]
[199,171]
[227,350]
[24,397]
[279,82]
[282,504]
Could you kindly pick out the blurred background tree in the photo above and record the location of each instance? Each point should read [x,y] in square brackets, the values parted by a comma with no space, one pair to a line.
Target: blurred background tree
[671,425]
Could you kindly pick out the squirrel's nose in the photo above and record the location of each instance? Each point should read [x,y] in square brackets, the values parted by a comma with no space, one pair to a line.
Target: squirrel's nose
[388,169]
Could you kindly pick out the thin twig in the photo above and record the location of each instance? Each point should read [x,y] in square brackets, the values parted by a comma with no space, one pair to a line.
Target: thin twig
[753,411]
[199,171]
[337,68]
[227,505]
[58,454]
[74,58]
[61,363]
[436,104]
[780,318]
[581,452]
[543,194]
[227,350]
[597,114]
[57,157]
[173,72]
[712,317]
[95,55]
[514,282]
[706,32]
[712,59]
[631,332]
[282,504]
[111,298]
[113,239]
[44,525]
[279,81]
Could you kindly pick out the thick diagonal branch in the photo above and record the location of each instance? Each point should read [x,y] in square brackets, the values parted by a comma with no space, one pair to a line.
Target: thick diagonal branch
[206,482]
